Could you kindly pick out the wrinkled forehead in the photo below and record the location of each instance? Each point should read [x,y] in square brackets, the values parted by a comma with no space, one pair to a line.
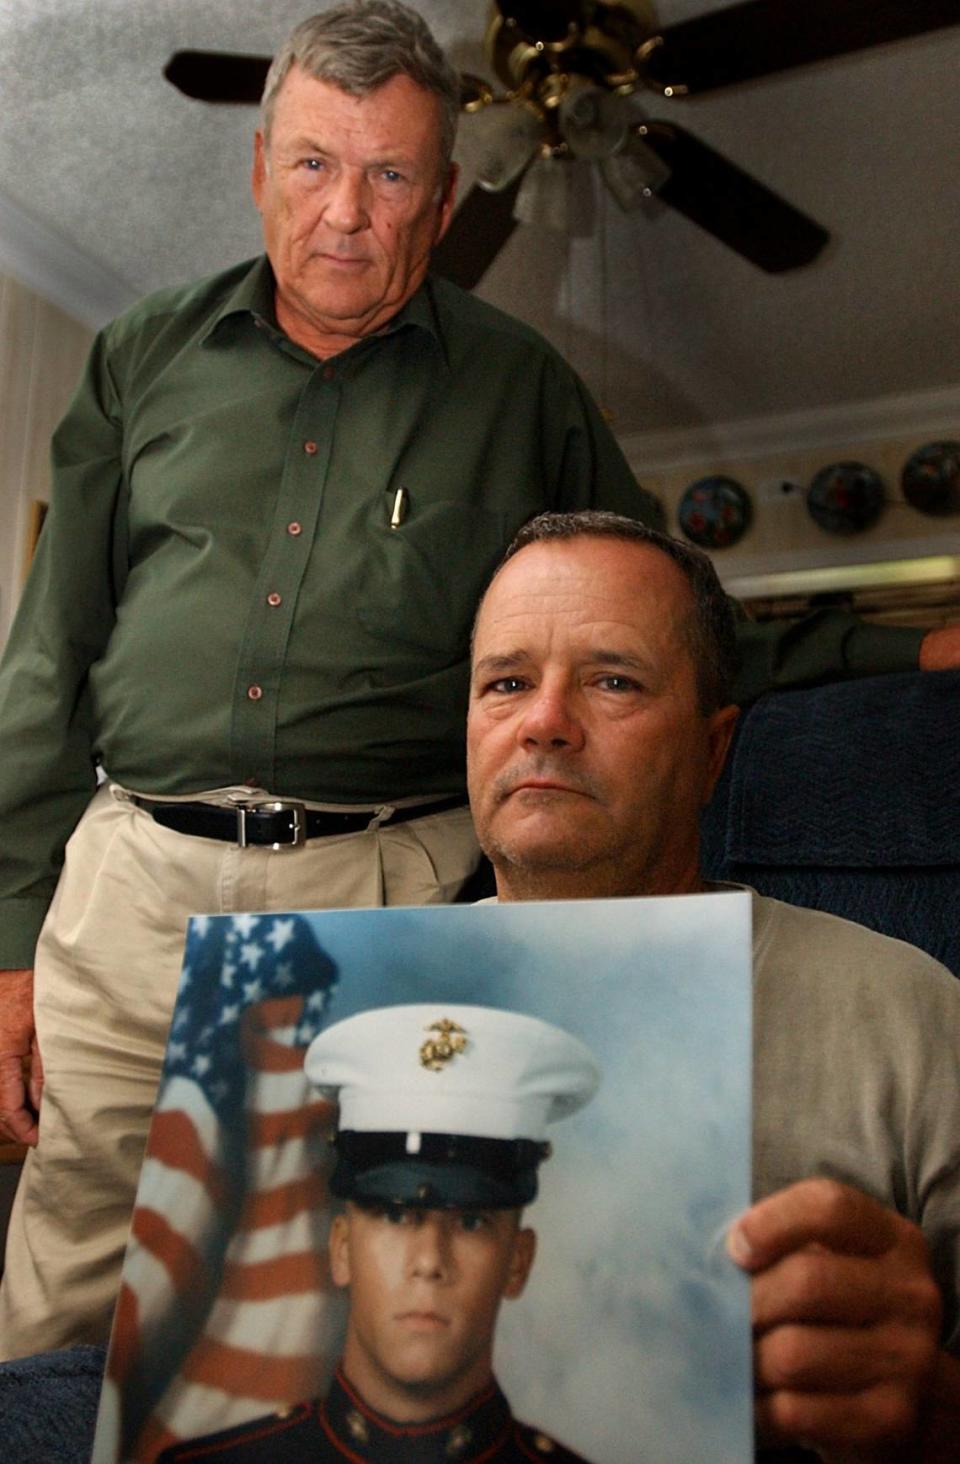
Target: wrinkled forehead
[571,586]
[397,107]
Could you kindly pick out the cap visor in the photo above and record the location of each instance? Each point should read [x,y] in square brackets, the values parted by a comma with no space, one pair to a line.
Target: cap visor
[434,1186]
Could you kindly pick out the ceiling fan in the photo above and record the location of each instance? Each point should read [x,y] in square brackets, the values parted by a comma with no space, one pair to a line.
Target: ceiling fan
[576,73]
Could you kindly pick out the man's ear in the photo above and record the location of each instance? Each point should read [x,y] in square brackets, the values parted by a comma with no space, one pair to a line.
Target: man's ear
[339,1248]
[448,197]
[258,173]
[521,1262]
[720,727]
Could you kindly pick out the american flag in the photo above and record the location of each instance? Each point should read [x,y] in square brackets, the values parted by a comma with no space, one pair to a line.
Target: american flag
[225,1310]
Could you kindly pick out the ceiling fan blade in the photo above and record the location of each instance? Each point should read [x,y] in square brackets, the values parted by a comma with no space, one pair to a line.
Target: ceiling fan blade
[542,20]
[634,174]
[478,231]
[218,76]
[729,203]
[510,136]
[758,37]
[553,198]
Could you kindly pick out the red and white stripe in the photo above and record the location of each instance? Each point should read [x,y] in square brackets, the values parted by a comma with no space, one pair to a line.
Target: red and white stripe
[267,1333]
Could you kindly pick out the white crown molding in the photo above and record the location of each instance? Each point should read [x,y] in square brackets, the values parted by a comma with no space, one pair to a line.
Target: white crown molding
[923,414]
[51,266]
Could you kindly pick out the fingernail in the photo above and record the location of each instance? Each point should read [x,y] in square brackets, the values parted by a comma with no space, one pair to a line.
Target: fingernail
[738,1246]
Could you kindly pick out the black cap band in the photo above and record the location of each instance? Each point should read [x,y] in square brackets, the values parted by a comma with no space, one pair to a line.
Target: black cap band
[445,1171]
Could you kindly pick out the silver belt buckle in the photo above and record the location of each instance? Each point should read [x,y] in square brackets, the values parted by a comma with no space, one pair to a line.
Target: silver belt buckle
[282,805]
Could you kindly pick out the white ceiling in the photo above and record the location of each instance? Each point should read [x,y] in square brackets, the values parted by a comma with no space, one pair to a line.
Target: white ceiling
[114,181]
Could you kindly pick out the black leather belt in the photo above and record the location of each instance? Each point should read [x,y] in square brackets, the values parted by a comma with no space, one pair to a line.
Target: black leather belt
[277,823]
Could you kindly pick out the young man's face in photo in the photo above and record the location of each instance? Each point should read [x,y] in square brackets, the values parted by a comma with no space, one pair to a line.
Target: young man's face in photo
[425,1288]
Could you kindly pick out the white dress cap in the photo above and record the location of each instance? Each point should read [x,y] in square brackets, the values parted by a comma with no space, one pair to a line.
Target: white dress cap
[451,1069]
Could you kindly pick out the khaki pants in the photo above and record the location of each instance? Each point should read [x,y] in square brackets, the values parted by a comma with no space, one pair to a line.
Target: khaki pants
[107,967]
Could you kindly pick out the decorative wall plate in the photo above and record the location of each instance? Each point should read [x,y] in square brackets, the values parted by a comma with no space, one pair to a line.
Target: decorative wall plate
[715,512]
[846,498]
[931,478]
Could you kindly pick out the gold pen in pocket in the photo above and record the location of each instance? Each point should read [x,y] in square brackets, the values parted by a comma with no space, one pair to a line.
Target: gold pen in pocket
[398,513]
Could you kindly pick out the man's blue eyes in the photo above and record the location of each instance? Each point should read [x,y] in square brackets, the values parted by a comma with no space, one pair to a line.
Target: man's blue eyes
[387,175]
[612,682]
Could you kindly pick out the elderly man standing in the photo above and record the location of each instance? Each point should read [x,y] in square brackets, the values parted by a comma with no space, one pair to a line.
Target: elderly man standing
[276,497]
[599,719]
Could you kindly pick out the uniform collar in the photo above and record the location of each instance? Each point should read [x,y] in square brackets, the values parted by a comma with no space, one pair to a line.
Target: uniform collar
[253,297]
[462,1437]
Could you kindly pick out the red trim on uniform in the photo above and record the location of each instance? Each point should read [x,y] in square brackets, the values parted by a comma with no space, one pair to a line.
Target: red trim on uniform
[337,1443]
[415,1430]
[275,1426]
[441,1426]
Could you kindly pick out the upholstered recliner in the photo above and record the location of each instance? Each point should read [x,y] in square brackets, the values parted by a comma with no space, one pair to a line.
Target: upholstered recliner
[846,798]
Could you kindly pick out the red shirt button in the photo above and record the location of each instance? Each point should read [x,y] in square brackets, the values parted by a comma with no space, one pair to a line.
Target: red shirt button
[254,693]
[294,528]
[310,448]
[274,599]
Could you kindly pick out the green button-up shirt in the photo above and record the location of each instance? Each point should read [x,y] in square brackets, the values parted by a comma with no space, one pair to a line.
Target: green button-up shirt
[262,567]
[259,567]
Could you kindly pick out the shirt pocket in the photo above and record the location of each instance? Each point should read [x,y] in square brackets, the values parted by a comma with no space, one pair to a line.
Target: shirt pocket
[427,574]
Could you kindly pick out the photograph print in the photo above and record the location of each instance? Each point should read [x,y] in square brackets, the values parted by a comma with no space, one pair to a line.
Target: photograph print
[446,1183]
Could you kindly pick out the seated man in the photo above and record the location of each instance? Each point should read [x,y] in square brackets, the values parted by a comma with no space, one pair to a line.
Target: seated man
[441,1131]
[599,721]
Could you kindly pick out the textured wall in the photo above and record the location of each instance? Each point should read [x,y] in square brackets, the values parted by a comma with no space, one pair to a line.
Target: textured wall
[41,353]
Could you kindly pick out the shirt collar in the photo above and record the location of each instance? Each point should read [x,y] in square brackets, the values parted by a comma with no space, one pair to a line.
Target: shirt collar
[473,1433]
[253,296]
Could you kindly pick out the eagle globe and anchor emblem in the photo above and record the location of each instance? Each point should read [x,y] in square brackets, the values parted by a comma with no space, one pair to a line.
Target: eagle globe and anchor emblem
[447,1041]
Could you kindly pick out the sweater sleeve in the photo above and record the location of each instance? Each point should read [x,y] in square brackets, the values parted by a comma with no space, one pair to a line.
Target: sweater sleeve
[827,645]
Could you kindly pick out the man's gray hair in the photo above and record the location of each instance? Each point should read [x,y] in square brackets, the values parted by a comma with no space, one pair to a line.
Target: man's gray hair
[358,47]
[711,627]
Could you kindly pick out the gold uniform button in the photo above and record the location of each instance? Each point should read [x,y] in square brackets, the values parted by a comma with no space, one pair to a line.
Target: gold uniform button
[254,693]
[310,447]
[543,1443]
[274,599]
[294,528]
[459,1441]
[357,1427]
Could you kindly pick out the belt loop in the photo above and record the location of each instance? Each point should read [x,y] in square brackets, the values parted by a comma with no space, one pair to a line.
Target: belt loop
[380,817]
[241,810]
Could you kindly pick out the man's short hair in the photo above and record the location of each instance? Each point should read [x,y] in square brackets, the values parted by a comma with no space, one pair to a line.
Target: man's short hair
[710,629]
[361,45]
